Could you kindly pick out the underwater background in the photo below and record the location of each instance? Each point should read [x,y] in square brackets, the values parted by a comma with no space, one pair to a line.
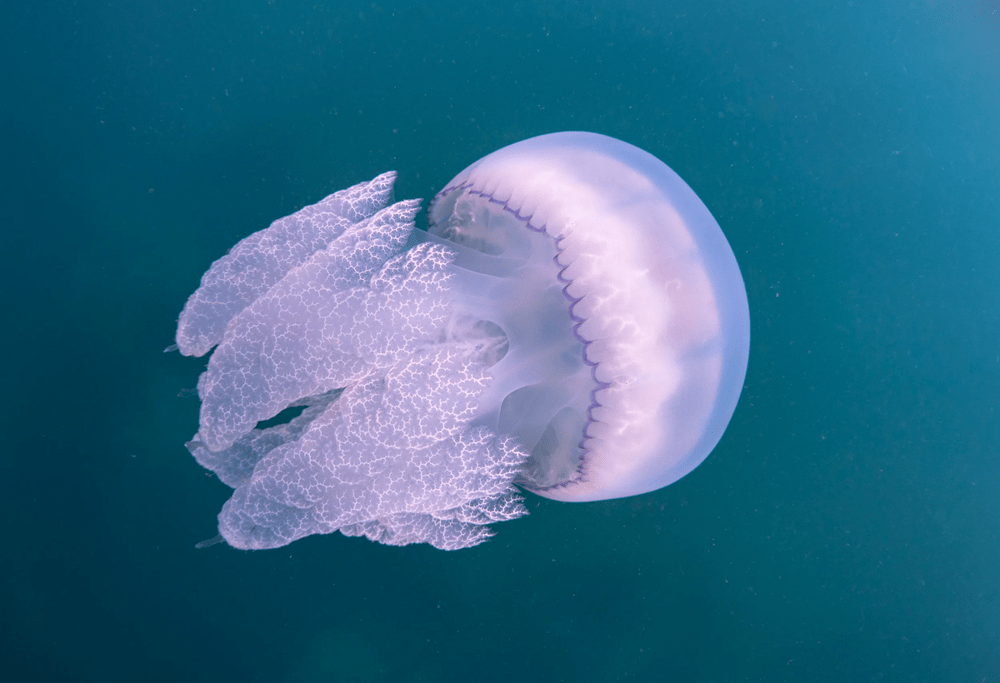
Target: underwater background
[847,526]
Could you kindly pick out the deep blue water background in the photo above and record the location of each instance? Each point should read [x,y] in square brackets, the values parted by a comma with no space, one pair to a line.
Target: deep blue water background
[847,527]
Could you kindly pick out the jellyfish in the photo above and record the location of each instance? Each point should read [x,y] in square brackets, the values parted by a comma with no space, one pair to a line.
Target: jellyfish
[572,323]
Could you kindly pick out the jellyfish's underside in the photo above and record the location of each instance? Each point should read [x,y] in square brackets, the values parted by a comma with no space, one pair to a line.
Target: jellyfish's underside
[573,322]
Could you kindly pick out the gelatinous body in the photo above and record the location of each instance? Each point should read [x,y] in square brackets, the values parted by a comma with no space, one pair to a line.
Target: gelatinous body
[572,322]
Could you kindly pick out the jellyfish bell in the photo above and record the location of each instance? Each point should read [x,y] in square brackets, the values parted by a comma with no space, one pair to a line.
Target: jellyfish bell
[623,304]
[573,323]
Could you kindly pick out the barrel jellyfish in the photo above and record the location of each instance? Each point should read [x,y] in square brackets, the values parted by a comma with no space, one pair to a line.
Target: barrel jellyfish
[572,323]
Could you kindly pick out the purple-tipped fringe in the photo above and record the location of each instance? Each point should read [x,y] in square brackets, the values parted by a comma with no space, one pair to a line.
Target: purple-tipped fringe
[575,319]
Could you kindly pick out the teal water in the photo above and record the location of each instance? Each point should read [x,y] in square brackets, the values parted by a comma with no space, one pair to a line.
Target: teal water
[847,527]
